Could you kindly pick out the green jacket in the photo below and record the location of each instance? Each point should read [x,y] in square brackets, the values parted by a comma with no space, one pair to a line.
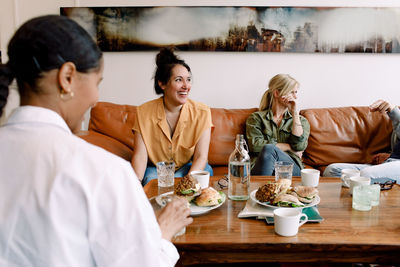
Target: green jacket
[262,130]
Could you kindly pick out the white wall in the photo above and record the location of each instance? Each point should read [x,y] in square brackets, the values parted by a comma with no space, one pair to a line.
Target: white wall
[233,80]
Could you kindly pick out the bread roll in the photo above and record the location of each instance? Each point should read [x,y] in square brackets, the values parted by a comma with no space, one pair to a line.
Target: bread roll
[208,197]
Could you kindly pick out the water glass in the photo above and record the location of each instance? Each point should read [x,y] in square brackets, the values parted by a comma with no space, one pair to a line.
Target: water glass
[374,194]
[283,170]
[165,173]
[181,232]
[361,197]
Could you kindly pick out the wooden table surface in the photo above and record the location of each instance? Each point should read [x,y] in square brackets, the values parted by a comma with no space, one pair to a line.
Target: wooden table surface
[345,235]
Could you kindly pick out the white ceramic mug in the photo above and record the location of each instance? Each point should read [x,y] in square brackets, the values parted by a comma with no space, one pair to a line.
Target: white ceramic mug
[203,177]
[287,221]
[346,174]
[358,180]
[310,177]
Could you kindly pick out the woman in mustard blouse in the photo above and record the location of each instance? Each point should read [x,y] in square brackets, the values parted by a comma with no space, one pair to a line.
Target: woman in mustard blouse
[172,127]
[277,132]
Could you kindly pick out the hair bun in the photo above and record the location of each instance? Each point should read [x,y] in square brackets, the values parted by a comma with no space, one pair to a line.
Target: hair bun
[166,56]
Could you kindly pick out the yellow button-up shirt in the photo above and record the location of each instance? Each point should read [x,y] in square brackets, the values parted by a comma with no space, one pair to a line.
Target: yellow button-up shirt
[152,124]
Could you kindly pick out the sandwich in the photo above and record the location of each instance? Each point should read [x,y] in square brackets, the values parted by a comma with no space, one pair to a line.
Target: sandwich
[305,194]
[285,185]
[208,197]
[188,187]
[286,200]
[268,192]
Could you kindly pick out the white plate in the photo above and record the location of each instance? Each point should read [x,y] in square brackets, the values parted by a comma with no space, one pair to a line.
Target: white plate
[195,210]
[315,201]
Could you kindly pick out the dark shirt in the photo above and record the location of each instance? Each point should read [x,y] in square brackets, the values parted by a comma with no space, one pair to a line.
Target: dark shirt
[396,151]
[394,115]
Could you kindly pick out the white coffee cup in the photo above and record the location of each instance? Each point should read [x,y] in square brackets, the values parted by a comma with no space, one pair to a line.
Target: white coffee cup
[203,177]
[310,177]
[346,174]
[358,180]
[287,221]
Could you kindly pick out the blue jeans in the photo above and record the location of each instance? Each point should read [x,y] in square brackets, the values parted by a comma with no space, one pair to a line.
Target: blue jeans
[265,163]
[151,172]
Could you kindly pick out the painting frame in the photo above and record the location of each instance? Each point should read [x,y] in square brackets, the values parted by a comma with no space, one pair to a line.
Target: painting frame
[225,29]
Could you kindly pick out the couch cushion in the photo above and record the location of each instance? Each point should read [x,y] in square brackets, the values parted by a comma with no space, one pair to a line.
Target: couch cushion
[227,124]
[108,143]
[345,134]
[114,120]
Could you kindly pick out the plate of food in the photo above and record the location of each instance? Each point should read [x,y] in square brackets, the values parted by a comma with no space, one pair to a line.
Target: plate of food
[281,194]
[200,200]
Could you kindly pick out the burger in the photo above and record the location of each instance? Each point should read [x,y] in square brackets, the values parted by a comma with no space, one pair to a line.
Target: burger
[208,197]
[188,187]
[286,200]
[268,192]
[305,194]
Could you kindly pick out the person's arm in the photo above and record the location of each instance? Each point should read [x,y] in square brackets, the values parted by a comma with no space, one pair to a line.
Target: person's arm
[291,103]
[283,146]
[122,226]
[255,134]
[298,143]
[381,106]
[200,155]
[297,128]
[139,157]
[392,111]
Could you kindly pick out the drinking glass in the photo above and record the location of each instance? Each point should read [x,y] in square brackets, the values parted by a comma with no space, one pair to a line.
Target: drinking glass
[165,173]
[374,194]
[361,198]
[283,170]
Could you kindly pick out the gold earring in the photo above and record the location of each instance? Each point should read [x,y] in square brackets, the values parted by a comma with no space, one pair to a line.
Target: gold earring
[66,95]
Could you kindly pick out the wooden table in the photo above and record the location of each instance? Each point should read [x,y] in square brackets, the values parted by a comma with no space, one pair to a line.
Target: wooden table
[345,235]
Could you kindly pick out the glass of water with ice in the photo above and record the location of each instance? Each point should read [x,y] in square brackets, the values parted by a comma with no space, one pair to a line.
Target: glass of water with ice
[283,170]
[165,173]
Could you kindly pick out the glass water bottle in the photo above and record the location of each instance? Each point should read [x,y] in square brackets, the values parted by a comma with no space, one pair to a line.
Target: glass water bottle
[239,170]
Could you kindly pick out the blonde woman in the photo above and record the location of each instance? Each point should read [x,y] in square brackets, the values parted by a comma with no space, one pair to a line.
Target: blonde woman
[277,132]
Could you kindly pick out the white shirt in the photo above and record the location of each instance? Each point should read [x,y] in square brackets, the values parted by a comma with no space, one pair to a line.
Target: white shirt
[65,202]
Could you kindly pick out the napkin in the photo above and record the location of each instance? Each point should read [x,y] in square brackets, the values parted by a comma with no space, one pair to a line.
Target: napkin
[252,209]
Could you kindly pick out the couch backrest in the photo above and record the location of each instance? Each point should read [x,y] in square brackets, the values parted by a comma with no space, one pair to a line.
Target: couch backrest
[227,124]
[113,120]
[116,121]
[345,134]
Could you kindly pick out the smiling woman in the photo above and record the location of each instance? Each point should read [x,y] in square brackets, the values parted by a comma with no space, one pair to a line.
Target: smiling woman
[172,127]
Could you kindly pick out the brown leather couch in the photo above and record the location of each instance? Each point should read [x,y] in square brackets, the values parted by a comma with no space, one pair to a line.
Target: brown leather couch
[344,134]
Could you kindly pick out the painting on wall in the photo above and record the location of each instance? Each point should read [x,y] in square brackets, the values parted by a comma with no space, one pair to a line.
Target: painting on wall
[250,29]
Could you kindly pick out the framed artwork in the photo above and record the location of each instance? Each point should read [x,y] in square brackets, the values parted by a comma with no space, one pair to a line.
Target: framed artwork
[242,29]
